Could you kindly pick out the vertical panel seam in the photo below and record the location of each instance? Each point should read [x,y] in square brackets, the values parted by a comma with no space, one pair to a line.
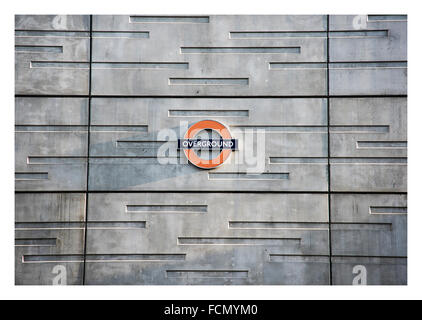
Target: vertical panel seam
[88,150]
[328,150]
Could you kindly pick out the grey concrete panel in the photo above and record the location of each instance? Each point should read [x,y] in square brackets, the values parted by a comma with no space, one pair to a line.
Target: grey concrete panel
[368,127]
[240,267]
[50,160]
[51,65]
[289,82]
[362,175]
[112,206]
[368,80]
[48,48]
[379,271]
[368,138]
[157,112]
[231,23]
[210,53]
[149,174]
[171,217]
[293,128]
[351,39]
[49,226]
[52,22]
[51,143]
[49,207]
[369,225]
[51,111]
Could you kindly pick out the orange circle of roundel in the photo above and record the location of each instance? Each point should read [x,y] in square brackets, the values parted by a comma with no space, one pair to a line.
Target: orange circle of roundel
[193,157]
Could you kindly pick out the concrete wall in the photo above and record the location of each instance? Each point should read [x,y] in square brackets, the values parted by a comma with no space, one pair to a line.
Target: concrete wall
[95,206]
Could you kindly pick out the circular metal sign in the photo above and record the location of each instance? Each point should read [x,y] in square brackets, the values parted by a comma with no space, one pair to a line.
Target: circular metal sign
[226,144]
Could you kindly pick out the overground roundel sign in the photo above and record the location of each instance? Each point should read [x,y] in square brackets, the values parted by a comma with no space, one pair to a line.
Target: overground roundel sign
[225,144]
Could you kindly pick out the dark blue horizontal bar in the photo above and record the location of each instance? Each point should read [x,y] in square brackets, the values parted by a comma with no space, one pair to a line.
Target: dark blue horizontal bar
[209,144]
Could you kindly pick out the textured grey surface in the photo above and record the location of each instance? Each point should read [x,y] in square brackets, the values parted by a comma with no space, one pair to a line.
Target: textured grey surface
[48,216]
[63,70]
[166,41]
[165,228]
[51,136]
[335,149]
[361,228]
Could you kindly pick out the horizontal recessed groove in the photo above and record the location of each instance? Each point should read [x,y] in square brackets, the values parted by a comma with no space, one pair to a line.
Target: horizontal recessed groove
[51,33]
[104,225]
[381,144]
[40,160]
[387,210]
[302,65]
[278,225]
[192,274]
[198,208]
[292,160]
[360,129]
[387,17]
[276,34]
[102,258]
[80,225]
[247,176]
[48,225]
[368,160]
[31,175]
[368,65]
[273,257]
[237,241]
[356,226]
[291,129]
[171,19]
[240,50]
[52,258]
[358,33]
[120,34]
[208,113]
[42,128]
[36,242]
[209,81]
[39,49]
[135,128]
[140,65]
[140,144]
[134,257]
[59,64]
[134,160]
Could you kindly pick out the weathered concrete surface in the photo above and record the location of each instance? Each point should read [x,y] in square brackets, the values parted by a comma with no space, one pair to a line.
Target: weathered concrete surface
[51,111]
[368,81]
[52,22]
[167,40]
[300,132]
[369,135]
[51,138]
[172,216]
[176,224]
[48,62]
[369,225]
[379,271]
[388,44]
[49,216]
[356,120]
[368,40]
